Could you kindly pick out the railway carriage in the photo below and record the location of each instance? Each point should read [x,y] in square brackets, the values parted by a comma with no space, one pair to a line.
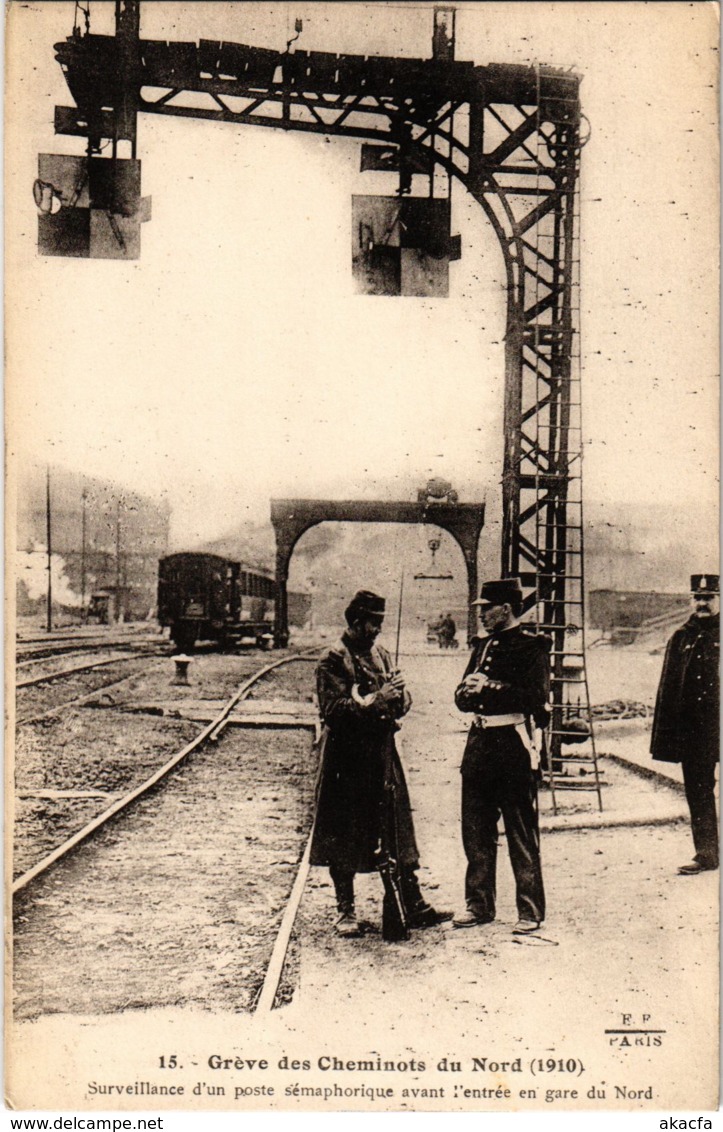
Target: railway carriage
[204,597]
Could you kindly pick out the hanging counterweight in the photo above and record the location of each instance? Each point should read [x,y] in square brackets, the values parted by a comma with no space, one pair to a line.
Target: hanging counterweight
[434,545]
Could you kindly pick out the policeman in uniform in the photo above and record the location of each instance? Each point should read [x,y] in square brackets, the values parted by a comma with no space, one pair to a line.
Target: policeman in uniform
[686,721]
[506,685]
[362,696]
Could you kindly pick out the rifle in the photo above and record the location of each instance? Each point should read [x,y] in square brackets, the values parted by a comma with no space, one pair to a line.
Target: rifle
[395,921]
[399,619]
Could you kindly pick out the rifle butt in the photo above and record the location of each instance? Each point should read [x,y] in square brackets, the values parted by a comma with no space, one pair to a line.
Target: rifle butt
[394,924]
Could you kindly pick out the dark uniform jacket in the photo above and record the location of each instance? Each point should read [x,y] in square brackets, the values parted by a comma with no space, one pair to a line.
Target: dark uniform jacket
[355,740]
[517,660]
[686,721]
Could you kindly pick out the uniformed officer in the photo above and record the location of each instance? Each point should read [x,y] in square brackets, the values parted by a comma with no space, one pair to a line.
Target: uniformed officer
[686,721]
[506,685]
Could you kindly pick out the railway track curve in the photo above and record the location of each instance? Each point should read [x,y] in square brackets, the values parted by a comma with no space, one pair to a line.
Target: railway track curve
[40,889]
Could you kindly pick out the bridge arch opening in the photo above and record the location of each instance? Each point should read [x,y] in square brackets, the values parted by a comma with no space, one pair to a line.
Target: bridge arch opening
[331,561]
[462,523]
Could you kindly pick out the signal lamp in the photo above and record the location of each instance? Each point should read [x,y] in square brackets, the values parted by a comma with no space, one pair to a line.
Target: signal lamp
[48,199]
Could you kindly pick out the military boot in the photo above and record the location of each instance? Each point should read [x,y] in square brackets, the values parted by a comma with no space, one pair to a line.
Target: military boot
[343,882]
[347,924]
[420,914]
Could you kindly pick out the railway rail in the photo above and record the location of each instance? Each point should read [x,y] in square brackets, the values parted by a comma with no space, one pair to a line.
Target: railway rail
[26,662]
[34,661]
[31,704]
[28,649]
[213,729]
[48,677]
[42,872]
[76,701]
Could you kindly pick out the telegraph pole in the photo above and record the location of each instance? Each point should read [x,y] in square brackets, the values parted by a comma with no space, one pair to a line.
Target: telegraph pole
[48,529]
[83,579]
[118,560]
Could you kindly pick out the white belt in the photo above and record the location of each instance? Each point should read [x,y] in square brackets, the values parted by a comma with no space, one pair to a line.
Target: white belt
[516,720]
[511,720]
[532,744]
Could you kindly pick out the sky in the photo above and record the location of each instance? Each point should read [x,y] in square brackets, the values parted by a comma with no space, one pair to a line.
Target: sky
[233,362]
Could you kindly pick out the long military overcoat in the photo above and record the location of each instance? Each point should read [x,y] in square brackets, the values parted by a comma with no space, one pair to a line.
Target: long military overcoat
[355,738]
[686,720]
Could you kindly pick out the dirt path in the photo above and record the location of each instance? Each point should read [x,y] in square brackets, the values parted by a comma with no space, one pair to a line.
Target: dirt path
[627,945]
[624,935]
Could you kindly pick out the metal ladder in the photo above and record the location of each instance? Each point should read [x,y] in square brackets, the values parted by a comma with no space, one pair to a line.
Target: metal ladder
[572,763]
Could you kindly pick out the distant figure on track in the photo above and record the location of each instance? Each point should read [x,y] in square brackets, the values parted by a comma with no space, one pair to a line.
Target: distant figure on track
[361,698]
[447,630]
[686,722]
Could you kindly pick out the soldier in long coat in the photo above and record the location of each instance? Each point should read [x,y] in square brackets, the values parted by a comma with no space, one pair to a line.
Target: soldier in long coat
[506,685]
[686,720]
[361,699]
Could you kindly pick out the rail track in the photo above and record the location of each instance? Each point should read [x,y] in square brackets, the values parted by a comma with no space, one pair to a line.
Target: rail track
[34,661]
[76,701]
[49,677]
[28,661]
[28,649]
[142,801]
[31,707]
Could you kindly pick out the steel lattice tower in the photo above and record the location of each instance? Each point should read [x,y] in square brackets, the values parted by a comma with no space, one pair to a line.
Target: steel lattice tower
[511,136]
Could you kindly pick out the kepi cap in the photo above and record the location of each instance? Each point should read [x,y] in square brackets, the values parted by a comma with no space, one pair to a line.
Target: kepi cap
[499,592]
[365,604]
[705,584]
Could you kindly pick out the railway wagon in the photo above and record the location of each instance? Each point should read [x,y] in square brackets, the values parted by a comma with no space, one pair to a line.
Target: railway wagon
[204,597]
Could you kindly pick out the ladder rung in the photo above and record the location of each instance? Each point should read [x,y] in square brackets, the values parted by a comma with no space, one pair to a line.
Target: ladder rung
[577,526]
[530,577]
[555,500]
[557,758]
[541,482]
[587,759]
[558,427]
[560,402]
[558,477]
[583,777]
[570,782]
[576,785]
